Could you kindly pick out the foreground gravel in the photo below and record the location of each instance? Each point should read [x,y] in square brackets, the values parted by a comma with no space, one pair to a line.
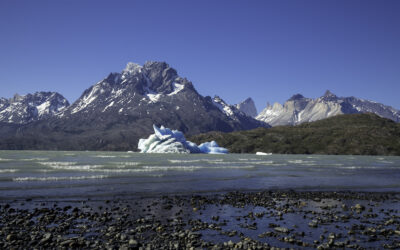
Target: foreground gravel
[241,220]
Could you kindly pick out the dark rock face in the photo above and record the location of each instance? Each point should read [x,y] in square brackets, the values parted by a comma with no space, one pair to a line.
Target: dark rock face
[299,109]
[297,97]
[31,107]
[248,107]
[116,112]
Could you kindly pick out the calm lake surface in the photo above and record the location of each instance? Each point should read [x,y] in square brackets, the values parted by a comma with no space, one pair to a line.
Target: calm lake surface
[75,175]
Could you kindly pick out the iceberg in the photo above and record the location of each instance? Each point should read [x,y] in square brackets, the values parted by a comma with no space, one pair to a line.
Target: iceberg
[212,148]
[263,153]
[165,140]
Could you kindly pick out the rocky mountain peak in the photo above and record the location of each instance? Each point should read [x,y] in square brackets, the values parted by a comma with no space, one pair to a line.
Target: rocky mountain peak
[16,98]
[248,107]
[149,83]
[160,76]
[329,95]
[218,99]
[155,74]
[31,107]
[132,68]
[296,97]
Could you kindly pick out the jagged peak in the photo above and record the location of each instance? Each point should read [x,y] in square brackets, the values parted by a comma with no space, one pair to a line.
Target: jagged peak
[328,93]
[248,107]
[17,97]
[154,68]
[132,68]
[277,105]
[216,97]
[296,97]
[38,94]
[149,64]
[248,99]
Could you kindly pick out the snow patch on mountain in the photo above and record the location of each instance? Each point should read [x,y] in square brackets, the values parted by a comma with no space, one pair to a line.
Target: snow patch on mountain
[131,69]
[42,108]
[176,88]
[223,106]
[154,97]
[87,99]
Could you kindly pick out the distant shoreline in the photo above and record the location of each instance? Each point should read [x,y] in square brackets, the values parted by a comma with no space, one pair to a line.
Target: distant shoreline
[234,153]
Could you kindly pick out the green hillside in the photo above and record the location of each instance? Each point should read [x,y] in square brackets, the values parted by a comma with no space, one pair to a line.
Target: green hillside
[355,134]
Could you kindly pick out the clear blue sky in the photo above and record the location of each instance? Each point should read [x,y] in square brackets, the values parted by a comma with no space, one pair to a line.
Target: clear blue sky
[267,50]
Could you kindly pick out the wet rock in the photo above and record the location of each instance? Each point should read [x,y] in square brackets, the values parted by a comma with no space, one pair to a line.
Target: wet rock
[46,238]
[359,207]
[266,234]
[281,229]
[216,218]
[232,233]
[11,237]
[67,242]
[313,223]
[123,224]
[133,243]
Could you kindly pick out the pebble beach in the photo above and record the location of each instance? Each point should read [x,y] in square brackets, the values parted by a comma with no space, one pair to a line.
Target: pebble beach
[232,220]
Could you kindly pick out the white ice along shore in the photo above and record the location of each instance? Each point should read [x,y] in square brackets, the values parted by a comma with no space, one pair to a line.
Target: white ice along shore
[165,140]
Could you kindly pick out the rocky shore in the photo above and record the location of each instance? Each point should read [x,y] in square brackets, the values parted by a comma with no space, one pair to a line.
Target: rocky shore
[242,220]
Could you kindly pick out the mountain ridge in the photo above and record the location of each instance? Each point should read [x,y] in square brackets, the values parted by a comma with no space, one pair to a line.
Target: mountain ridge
[299,109]
[22,109]
[114,113]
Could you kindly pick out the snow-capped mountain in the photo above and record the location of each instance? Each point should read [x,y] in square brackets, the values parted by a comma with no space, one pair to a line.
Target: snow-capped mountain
[156,92]
[299,109]
[134,87]
[31,107]
[117,111]
[248,107]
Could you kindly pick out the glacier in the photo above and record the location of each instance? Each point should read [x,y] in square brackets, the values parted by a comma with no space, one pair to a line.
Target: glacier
[165,140]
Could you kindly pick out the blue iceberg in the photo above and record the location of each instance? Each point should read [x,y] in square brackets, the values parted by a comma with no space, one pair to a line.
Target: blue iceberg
[212,148]
[165,140]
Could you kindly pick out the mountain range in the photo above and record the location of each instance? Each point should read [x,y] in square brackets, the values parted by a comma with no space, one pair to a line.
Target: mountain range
[31,107]
[299,109]
[117,111]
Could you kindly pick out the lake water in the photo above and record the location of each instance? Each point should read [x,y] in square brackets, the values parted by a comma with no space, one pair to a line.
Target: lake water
[74,175]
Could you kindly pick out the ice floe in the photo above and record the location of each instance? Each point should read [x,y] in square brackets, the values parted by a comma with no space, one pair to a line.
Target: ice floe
[263,153]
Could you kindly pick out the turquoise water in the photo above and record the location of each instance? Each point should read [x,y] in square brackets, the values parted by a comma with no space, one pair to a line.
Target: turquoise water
[49,174]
